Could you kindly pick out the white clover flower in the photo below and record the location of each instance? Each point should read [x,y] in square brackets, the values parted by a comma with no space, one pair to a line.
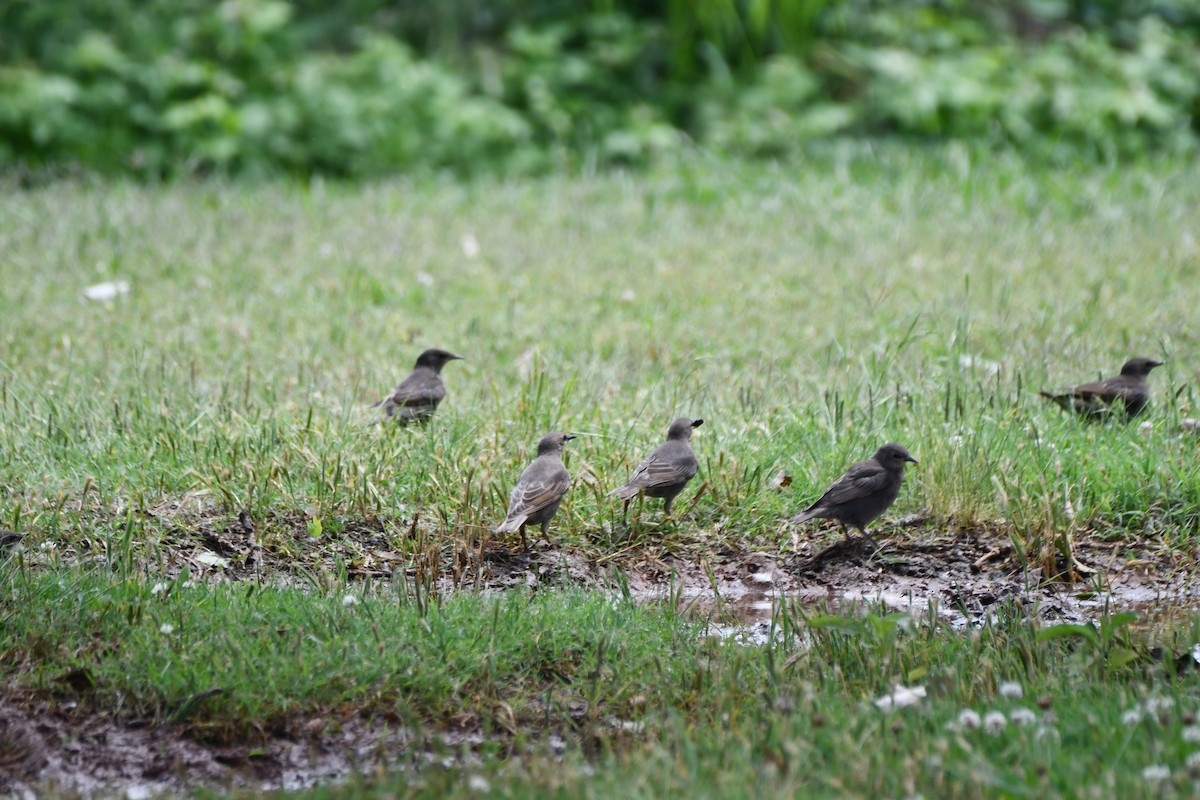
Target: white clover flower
[901,697]
[349,600]
[1156,773]
[478,783]
[1022,716]
[47,546]
[166,629]
[1011,689]
[1156,704]
[994,722]
[1193,761]
[160,587]
[1045,732]
[1191,733]
[969,720]
[1132,717]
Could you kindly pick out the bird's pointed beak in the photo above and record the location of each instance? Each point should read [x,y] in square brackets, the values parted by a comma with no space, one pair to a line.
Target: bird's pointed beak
[1157,363]
[913,460]
[569,436]
[696,423]
[457,358]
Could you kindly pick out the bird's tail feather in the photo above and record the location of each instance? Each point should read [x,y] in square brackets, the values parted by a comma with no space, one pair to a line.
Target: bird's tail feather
[805,516]
[511,525]
[624,492]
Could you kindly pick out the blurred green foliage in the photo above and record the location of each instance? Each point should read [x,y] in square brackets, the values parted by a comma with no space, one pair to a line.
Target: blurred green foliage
[367,87]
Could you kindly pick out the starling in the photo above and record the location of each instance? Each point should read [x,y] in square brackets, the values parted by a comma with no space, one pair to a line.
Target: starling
[418,395]
[667,470]
[540,489]
[9,539]
[1127,393]
[864,492]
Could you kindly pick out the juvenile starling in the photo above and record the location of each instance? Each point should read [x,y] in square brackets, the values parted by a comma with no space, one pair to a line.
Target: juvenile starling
[1127,393]
[418,395]
[667,470]
[540,489]
[864,492]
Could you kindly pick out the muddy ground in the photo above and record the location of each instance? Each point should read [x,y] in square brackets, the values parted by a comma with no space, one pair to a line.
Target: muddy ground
[49,746]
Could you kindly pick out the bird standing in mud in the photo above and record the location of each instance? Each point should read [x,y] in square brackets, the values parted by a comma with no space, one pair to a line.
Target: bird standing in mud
[667,470]
[540,489]
[418,395]
[1127,393]
[866,490]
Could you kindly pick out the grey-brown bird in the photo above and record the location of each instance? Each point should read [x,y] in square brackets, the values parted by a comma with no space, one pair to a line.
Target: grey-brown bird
[866,490]
[1127,393]
[540,489]
[418,395]
[9,539]
[667,470]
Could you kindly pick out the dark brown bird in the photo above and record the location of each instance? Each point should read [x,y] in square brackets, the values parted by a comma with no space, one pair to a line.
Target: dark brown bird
[540,489]
[418,395]
[864,492]
[9,539]
[667,470]
[1127,393]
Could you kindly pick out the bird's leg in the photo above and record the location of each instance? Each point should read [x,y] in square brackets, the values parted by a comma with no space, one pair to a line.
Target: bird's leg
[625,513]
[546,531]
[667,509]
[524,544]
[870,539]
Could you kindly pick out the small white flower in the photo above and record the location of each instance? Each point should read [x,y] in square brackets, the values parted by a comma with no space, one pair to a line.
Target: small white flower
[1022,716]
[160,587]
[1193,761]
[1191,733]
[901,697]
[188,584]
[1011,689]
[1132,717]
[349,600]
[1045,732]
[470,245]
[478,783]
[1146,428]
[1155,773]
[994,722]
[48,546]
[969,720]
[1156,704]
[425,279]
[166,629]
[956,440]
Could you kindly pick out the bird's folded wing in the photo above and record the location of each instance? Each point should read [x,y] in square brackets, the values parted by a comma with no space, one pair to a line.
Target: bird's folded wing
[656,471]
[531,496]
[418,390]
[861,480]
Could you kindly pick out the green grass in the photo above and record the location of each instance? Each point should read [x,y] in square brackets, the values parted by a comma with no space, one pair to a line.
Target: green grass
[712,718]
[808,313]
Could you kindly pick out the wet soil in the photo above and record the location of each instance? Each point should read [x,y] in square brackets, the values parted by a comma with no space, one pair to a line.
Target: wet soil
[960,577]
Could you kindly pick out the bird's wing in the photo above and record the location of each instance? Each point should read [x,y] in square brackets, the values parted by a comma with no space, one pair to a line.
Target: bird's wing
[660,469]
[534,492]
[418,389]
[862,480]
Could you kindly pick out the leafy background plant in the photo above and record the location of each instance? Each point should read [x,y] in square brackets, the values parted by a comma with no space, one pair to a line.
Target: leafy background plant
[377,86]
